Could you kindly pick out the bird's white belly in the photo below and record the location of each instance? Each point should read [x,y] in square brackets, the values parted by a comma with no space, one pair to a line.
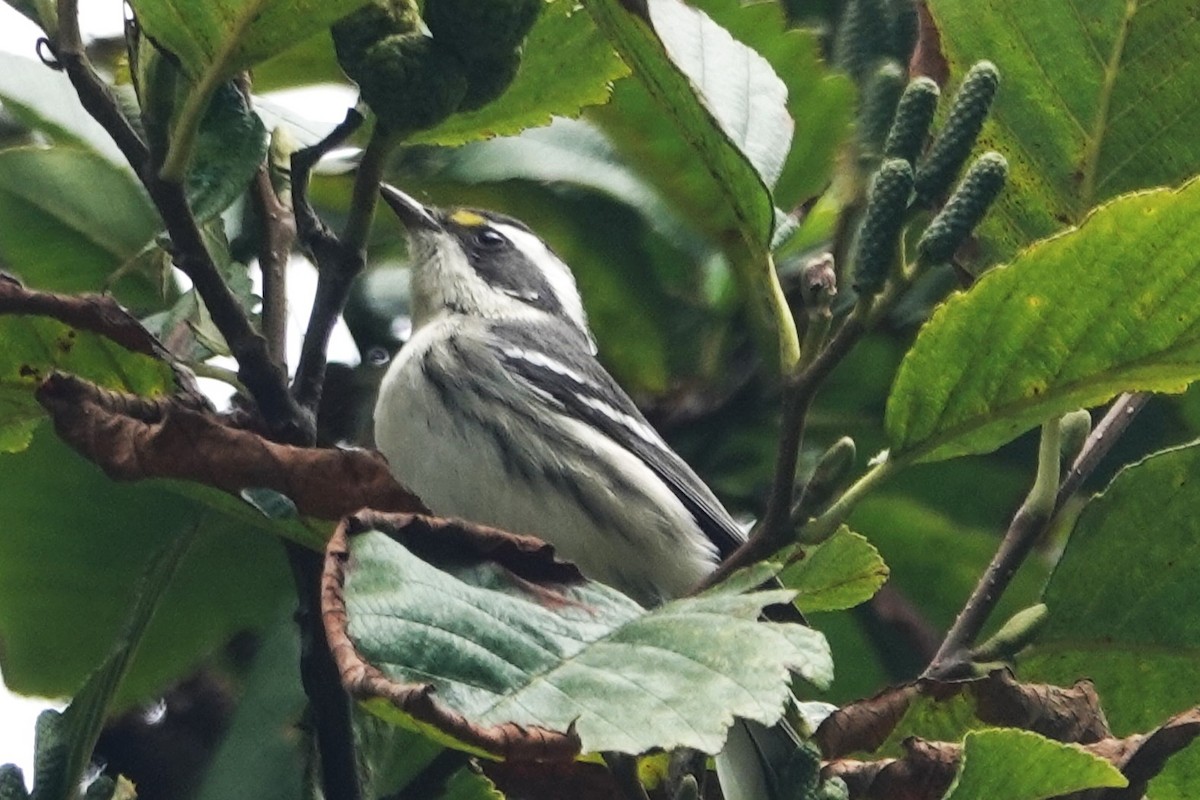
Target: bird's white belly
[467,475]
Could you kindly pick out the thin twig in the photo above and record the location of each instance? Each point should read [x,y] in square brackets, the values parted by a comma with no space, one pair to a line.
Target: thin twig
[275,245]
[1026,528]
[775,530]
[339,261]
[94,94]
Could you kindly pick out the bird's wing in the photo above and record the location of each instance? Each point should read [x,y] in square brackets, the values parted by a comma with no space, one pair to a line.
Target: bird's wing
[555,363]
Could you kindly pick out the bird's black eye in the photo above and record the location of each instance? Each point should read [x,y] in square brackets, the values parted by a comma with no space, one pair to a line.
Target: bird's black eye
[489,237]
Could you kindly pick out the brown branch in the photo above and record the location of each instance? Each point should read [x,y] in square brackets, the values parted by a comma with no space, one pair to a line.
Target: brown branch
[339,260]
[133,438]
[1025,530]
[99,314]
[275,246]
[774,532]
[95,95]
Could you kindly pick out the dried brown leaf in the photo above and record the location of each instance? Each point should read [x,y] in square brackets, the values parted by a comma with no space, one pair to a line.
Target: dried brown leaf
[133,438]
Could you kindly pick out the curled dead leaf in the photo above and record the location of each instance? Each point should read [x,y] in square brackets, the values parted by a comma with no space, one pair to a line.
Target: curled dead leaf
[134,438]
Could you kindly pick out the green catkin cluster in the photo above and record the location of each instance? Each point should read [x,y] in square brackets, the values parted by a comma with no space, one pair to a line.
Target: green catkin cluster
[907,29]
[914,115]
[864,36]
[12,783]
[966,207]
[882,94]
[413,81]
[486,35]
[953,144]
[875,247]
[478,29]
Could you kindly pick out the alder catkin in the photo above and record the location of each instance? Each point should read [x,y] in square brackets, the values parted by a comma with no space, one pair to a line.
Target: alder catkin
[914,115]
[963,211]
[875,245]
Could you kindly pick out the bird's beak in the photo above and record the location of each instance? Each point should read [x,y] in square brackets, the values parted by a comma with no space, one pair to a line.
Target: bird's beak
[412,214]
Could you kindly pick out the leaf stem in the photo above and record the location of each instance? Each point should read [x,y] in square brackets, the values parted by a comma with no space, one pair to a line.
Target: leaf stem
[790,352]
[822,527]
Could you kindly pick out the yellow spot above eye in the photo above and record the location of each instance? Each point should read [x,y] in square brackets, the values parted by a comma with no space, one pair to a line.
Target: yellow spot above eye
[468,218]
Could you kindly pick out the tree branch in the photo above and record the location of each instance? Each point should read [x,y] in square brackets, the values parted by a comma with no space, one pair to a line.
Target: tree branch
[95,95]
[275,246]
[774,532]
[1028,525]
[95,313]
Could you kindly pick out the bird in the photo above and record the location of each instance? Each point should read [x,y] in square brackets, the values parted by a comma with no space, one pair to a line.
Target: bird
[498,411]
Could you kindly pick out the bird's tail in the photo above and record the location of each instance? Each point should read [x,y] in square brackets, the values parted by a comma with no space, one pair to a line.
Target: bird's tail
[755,759]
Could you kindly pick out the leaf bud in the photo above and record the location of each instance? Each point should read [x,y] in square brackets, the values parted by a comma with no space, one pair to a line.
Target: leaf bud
[953,144]
[914,114]
[879,234]
[880,97]
[1074,429]
[966,207]
[818,282]
[478,30]
[50,743]
[832,470]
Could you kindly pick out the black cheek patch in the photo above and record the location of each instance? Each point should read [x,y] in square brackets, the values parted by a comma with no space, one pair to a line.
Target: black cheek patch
[505,268]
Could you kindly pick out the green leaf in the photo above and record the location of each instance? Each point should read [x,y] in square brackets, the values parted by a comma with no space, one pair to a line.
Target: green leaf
[309,62]
[74,543]
[1120,601]
[543,649]
[566,66]
[684,73]
[227,36]
[1092,105]
[820,101]
[35,10]
[259,757]
[77,728]
[1005,764]
[32,347]
[230,146]
[1112,306]
[839,573]
[45,100]
[72,219]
